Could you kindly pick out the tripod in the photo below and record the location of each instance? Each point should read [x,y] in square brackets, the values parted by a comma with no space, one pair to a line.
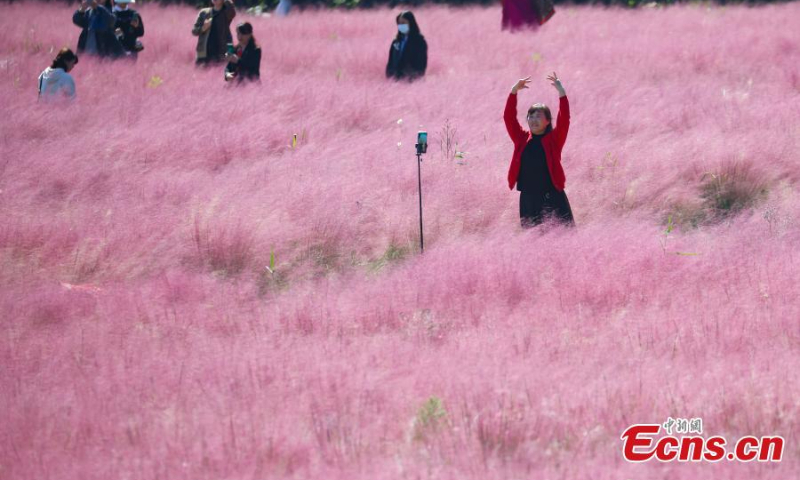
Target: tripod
[421,148]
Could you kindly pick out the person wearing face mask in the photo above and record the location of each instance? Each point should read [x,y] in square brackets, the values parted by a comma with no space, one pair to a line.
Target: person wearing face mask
[536,164]
[213,31]
[408,54]
[129,27]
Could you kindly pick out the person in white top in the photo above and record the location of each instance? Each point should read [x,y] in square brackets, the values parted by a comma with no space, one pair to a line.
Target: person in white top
[55,81]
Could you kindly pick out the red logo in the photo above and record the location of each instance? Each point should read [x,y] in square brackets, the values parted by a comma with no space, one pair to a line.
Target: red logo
[641,443]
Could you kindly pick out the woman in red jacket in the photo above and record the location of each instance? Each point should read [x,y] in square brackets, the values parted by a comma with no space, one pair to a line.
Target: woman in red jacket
[536,165]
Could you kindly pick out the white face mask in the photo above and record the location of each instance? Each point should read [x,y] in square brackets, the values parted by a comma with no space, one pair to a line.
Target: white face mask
[403,28]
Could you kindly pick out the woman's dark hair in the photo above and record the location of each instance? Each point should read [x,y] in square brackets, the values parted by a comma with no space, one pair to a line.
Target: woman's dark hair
[413,28]
[541,107]
[246,29]
[64,55]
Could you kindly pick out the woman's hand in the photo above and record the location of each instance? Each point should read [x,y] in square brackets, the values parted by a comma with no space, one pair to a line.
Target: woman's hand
[207,25]
[231,58]
[554,81]
[520,85]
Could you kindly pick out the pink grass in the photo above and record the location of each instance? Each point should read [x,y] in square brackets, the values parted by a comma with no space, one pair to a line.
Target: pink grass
[143,336]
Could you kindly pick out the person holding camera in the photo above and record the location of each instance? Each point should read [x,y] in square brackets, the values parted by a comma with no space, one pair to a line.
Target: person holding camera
[408,54]
[244,62]
[129,27]
[55,82]
[536,164]
[213,31]
[97,35]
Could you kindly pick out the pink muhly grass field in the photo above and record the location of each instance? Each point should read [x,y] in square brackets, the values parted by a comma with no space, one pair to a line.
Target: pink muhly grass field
[144,337]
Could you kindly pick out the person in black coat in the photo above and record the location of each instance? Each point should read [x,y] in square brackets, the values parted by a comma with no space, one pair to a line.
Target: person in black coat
[97,34]
[129,26]
[408,54]
[245,63]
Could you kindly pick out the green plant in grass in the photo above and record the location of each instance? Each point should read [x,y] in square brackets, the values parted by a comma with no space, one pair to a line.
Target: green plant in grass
[393,253]
[664,239]
[271,266]
[271,277]
[431,416]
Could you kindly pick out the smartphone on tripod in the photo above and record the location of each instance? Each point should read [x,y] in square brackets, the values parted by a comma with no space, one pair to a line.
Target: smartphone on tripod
[422,142]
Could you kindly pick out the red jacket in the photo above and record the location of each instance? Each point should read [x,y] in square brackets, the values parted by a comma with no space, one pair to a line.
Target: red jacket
[552,142]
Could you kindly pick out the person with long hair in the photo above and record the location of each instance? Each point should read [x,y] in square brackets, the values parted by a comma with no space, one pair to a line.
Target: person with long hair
[55,81]
[245,62]
[408,54]
[536,164]
[213,31]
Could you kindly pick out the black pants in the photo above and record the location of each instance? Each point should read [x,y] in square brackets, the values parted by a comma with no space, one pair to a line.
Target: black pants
[535,207]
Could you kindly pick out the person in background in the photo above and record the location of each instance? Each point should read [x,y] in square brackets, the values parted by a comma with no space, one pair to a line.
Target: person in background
[55,81]
[245,62]
[283,8]
[129,27]
[536,164]
[97,35]
[408,54]
[213,31]
[519,14]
